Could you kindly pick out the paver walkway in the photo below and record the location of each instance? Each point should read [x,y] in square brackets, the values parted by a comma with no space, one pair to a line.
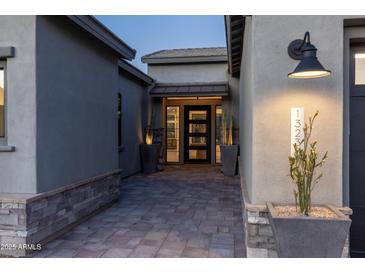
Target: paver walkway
[189,211]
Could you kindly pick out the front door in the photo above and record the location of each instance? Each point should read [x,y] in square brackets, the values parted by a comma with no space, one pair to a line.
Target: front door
[197,123]
[357,151]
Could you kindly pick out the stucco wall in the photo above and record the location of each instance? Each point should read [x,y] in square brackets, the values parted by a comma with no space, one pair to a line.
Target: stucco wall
[177,73]
[134,122]
[245,110]
[18,169]
[77,86]
[273,94]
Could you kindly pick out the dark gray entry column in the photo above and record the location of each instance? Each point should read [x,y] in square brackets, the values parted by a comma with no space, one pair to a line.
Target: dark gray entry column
[357,150]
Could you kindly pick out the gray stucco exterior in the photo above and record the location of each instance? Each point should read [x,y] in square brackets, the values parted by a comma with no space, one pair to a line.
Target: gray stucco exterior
[266,98]
[60,160]
[268,95]
[77,84]
[61,105]
[134,121]
[177,73]
[18,169]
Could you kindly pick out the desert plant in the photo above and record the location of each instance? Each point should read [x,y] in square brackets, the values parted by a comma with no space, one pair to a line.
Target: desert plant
[227,139]
[303,164]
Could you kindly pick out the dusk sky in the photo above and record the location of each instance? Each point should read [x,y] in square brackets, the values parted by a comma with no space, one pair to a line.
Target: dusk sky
[151,33]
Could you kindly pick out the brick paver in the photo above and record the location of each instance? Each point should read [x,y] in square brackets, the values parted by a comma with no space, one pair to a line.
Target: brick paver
[187,211]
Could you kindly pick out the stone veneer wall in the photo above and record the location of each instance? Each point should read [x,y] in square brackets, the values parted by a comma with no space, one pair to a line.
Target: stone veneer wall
[260,241]
[27,220]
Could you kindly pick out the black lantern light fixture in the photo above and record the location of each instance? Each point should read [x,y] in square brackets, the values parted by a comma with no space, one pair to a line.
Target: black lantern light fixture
[309,66]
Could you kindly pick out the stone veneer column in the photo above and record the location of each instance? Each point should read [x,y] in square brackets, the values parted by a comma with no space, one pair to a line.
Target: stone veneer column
[260,241]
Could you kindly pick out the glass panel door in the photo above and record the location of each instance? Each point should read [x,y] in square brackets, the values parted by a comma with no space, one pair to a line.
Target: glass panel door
[197,134]
[172,134]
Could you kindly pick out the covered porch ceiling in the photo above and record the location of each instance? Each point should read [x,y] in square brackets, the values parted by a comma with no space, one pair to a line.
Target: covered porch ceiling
[190,89]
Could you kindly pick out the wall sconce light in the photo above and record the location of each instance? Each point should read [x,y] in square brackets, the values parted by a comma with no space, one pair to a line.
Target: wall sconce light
[309,66]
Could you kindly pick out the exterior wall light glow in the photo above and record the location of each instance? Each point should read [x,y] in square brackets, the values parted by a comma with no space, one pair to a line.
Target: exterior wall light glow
[309,66]
[149,136]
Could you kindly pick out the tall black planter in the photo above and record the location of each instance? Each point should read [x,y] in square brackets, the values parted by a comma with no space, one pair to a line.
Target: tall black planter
[308,237]
[150,155]
[229,159]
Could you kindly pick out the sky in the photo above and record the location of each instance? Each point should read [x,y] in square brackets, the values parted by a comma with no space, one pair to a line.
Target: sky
[148,34]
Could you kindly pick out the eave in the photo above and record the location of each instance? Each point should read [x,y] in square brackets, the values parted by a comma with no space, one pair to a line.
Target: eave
[103,34]
[124,65]
[235,26]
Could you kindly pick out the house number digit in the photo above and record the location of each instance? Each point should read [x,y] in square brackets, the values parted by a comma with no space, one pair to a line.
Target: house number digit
[297,122]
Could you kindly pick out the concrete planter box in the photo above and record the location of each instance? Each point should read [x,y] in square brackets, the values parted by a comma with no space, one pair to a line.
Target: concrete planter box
[150,155]
[308,237]
[229,159]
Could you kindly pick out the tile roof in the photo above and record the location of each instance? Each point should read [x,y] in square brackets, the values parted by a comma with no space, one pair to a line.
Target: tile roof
[192,55]
[189,52]
[190,89]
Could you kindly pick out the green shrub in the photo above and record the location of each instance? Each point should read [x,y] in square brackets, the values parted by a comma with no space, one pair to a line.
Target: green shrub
[303,164]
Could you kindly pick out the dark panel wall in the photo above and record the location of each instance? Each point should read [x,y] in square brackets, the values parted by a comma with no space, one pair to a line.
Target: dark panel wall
[77,85]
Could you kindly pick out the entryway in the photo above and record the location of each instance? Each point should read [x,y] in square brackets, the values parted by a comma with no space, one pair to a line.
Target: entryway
[357,150]
[193,129]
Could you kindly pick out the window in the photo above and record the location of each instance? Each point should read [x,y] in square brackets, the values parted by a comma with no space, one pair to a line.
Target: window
[2,100]
[218,133]
[359,68]
[119,120]
[172,134]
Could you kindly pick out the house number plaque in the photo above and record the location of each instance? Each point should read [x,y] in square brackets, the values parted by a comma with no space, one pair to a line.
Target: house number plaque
[297,125]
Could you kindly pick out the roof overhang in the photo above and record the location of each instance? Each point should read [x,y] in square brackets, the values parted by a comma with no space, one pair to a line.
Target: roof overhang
[190,89]
[190,59]
[124,65]
[103,34]
[354,22]
[235,27]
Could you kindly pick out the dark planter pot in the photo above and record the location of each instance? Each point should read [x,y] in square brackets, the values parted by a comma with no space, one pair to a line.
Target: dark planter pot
[306,237]
[229,159]
[150,155]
